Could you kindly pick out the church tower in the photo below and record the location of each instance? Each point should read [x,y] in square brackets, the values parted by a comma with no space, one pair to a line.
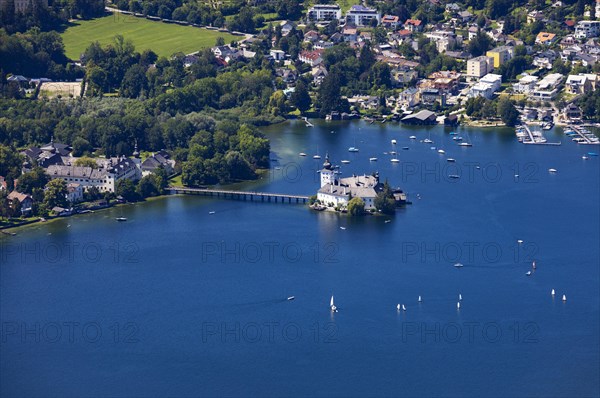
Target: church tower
[328,175]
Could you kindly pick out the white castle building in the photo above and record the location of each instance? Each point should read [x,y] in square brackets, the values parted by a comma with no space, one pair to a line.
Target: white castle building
[337,192]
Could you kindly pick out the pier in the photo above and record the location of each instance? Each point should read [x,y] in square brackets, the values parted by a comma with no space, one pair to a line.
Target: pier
[526,136]
[241,195]
[584,137]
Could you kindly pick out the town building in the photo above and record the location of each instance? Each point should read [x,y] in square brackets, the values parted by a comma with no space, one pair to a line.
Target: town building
[545,38]
[486,87]
[313,58]
[25,202]
[581,83]
[74,192]
[526,84]
[362,16]
[547,88]
[479,66]
[587,29]
[105,178]
[158,160]
[390,21]
[500,55]
[413,25]
[324,12]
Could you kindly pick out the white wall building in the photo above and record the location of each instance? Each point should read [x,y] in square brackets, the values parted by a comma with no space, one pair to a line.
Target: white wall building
[324,12]
[361,16]
[547,88]
[587,29]
[479,66]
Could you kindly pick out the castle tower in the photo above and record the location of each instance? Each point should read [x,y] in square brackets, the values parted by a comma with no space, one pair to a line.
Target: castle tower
[328,175]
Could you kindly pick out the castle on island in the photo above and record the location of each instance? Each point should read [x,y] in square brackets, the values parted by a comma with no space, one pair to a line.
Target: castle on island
[336,192]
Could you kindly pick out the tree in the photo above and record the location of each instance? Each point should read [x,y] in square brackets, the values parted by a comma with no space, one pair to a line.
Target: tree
[126,189]
[480,44]
[380,75]
[301,98]
[86,162]
[56,194]
[507,111]
[356,207]
[134,82]
[146,187]
[220,41]
[81,146]
[384,201]
[330,95]
[36,178]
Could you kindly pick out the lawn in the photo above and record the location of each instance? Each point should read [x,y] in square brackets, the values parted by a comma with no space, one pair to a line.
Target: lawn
[162,38]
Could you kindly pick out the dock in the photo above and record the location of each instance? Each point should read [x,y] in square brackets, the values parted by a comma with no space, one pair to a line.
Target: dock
[240,195]
[308,124]
[584,136]
[526,136]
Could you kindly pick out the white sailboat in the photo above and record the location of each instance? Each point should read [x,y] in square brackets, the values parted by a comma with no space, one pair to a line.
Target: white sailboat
[564,297]
[419,300]
[393,142]
[403,307]
[552,292]
[398,307]
[332,305]
[458,305]
[459,297]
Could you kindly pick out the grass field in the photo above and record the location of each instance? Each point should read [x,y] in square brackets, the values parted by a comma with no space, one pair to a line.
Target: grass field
[162,38]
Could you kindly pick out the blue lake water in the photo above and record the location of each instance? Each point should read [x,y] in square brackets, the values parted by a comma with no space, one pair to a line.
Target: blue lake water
[180,302]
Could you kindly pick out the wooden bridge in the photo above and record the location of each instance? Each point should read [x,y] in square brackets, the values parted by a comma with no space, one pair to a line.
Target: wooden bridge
[240,195]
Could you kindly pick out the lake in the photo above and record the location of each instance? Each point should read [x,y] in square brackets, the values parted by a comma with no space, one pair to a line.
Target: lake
[178,301]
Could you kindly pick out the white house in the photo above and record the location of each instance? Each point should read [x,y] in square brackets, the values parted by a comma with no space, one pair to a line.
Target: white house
[547,88]
[75,192]
[278,55]
[587,29]
[361,16]
[324,12]
[486,87]
[526,84]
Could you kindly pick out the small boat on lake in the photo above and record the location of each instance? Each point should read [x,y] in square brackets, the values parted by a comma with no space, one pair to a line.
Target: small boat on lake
[441,151]
[121,219]
[427,141]
[458,265]
[465,144]
[353,149]
[291,298]
[552,170]
[345,161]
[332,305]
[412,137]
[451,160]
[454,176]
[393,142]
[372,159]
[317,157]
[394,160]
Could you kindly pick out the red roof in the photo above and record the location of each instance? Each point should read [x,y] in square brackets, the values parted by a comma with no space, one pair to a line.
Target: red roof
[570,23]
[404,32]
[390,19]
[415,22]
[312,55]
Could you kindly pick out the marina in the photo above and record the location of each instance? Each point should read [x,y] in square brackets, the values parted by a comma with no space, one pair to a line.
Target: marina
[582,136]
[531,137]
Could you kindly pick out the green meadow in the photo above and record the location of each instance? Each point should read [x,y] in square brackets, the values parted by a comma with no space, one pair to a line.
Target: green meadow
[162,38]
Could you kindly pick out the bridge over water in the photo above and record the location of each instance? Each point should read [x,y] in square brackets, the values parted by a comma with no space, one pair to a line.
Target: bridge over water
[240,195]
